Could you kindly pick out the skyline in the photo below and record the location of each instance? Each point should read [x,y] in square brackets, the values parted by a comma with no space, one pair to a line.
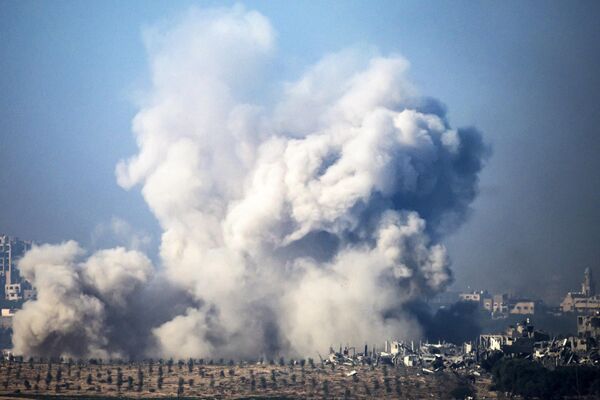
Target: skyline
[73,77]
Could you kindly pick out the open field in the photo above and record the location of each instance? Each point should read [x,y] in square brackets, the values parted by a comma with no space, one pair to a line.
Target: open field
[154,380]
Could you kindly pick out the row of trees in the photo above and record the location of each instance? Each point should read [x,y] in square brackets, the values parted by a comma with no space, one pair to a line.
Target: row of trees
[170,362]
[94,374]
[55,378]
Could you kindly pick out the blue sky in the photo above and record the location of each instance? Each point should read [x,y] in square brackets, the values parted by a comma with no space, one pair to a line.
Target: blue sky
[526,74]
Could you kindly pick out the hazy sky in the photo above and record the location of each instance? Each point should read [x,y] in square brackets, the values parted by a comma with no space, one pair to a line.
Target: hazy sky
[524,73]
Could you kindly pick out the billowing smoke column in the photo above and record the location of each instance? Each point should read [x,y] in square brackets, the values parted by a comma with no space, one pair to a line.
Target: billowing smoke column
[293,221]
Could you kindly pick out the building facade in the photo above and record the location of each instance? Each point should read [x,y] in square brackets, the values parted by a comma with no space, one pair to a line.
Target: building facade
[11,283]
[474,296]
[588,326]
[585,301]
[523,307]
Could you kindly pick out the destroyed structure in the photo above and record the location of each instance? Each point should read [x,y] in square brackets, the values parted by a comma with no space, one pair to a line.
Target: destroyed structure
[524,341]
[430,357]
[520,341]
[588,326]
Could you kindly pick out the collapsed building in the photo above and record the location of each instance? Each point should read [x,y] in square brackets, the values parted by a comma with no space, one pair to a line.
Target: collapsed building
[519,341]
[431,357]
[588,326]
[525,342]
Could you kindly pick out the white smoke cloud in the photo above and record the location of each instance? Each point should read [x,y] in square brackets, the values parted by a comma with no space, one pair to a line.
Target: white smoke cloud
[119,232]
[288,221]
[294,222]
[75,298]
[345,301]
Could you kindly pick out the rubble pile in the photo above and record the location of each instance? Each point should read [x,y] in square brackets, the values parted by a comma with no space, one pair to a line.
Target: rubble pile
[523,341]
[520,341]
[430,357]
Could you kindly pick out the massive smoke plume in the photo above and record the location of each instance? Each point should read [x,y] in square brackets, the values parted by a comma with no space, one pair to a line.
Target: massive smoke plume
[292,221]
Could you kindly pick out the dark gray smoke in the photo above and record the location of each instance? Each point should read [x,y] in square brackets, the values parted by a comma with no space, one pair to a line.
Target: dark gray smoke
[459,323]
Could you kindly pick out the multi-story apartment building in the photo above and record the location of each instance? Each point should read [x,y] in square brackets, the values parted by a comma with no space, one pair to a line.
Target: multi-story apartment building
[499,304]
[11,250]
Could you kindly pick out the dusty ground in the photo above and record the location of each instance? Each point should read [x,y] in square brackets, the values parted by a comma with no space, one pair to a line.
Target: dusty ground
[31,380]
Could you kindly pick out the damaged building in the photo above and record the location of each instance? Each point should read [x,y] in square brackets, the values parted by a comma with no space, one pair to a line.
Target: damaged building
[524,341]
[429,357]
[588,326]
[519,339]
